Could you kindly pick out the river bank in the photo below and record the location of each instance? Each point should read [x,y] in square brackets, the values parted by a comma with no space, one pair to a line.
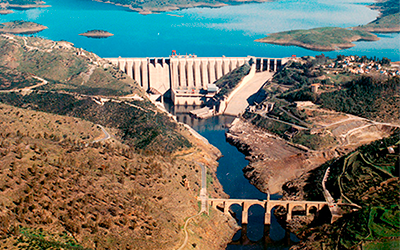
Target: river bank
[273,161]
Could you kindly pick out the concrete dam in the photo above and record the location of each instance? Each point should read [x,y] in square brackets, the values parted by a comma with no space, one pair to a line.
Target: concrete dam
[187,78]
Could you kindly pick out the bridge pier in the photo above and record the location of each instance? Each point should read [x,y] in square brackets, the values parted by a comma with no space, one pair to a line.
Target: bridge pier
[245,213]
[268,205]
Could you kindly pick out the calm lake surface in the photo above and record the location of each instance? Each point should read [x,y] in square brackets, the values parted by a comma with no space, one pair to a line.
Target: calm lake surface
[228,31]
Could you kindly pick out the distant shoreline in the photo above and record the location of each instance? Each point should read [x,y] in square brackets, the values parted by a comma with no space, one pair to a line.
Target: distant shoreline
[27,6]
[321,39]
[146,10]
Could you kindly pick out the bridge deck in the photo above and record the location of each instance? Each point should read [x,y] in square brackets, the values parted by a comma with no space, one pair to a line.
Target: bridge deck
[267,201]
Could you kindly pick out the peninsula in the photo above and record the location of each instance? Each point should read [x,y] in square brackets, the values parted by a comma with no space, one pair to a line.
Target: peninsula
[320,39]
[97,34]
[387,22]
[332,38]
[21,27]
[150,6]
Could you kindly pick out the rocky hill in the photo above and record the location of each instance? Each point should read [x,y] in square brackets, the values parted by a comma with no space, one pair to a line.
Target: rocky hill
[368,177]
[63,187]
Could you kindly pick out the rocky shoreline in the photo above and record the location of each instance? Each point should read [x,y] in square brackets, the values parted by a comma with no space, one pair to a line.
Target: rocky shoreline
[273,161]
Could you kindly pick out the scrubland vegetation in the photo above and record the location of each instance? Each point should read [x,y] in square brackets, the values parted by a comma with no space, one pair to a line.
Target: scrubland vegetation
[59,189]
[368,177]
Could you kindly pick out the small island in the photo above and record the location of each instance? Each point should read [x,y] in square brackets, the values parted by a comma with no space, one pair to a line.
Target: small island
[97,34]
[320,39]
[21,27]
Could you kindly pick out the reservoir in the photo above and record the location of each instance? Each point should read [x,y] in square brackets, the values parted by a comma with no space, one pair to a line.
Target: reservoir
[211,32]
[206,32]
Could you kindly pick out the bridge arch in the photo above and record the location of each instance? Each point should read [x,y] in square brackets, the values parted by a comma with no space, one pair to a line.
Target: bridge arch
[312,210]
[299,210]
[256,224]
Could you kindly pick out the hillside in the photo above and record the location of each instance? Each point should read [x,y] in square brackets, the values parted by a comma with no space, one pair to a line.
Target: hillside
[388,21]
[366,97]
[316,109]
[368,177]
[66,68]
[61,189]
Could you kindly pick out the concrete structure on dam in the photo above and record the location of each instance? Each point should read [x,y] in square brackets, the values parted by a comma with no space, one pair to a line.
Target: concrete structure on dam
[188,78]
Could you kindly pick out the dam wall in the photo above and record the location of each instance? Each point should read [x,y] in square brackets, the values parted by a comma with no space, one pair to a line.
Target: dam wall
[187,77]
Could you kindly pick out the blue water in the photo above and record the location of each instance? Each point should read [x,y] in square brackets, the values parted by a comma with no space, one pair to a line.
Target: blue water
[231,177]
[228,31]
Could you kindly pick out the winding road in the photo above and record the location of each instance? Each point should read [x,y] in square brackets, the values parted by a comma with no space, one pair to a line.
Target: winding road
[106,134]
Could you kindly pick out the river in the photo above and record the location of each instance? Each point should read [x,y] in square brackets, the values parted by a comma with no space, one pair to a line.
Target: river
[231,177]
[228,31]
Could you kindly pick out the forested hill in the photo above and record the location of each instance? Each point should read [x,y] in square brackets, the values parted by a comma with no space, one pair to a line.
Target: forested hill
[368,177]
[388,21]
[367,97]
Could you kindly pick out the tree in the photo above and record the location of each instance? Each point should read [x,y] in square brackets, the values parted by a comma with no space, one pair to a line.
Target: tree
[397,168]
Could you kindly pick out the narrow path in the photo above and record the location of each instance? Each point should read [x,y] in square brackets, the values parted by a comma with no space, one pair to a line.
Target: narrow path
[292,116]
[203,198]
[106,134]
[186,233]
[44,82]
[333,207]
[288,123]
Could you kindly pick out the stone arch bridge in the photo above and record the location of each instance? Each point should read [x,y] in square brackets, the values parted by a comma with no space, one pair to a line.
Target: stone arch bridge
[268,205]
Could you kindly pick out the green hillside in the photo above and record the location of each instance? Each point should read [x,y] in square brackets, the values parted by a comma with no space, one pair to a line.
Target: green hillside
[368,177]
[366,97]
